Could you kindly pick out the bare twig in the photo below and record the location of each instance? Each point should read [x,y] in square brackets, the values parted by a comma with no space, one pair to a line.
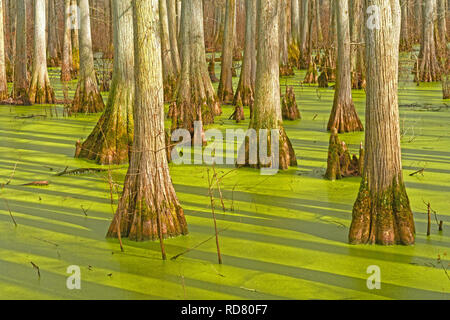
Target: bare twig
[37,268]
[10,213]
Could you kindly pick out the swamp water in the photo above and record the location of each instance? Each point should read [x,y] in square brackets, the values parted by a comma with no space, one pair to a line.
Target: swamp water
[285,239]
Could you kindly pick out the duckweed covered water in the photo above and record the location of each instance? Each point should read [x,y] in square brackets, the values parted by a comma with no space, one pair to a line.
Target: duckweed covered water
[286,237]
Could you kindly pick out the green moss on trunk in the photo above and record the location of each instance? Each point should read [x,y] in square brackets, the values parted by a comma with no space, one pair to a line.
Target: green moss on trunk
[383,218]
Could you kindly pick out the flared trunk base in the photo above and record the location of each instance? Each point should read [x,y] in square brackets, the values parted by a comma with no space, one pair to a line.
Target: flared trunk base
[382,218]
[289,108]
[142,216]
[344,118]
[287,157]
[87,98]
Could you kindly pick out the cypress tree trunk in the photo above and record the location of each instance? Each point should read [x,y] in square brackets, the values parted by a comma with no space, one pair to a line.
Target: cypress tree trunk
[246,87]
[267,109]
[446,77]
[442,29]
[40,90]
[66,64]
[11,28]
[149,208]
[429,69]
[87,96]
[53,59]
[20,85]
[303,63]
[382,212]
[295,22]
[75,39]
[405,44]
[196,99]
[343,115]
[225,90]
[318,23]
[111,139]
[419,19]
[3,81]
[173,33]
[169,70]
[285,66]
[357,38]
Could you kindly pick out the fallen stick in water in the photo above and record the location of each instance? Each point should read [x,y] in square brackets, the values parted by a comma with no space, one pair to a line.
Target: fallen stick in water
[82,170]
[37,183]
[37,268]
[417,172]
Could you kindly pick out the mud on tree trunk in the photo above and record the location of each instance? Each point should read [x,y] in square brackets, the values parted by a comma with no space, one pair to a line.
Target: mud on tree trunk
[289,108]
[340,163]
[382,218]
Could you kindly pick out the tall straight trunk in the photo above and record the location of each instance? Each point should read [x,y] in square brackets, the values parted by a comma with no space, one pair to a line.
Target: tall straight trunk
[219,24]
[67,62]
[20,86]
[418,8]
[446,78]
[267,109]
[382,212]
[53,58]
[173,34]
[317,14]
[330,49]
[196,99]
[442,28]
[40,90]
[343,115]
[285,66]
[357,28]
[295,22]
[110,141]
[10,49]
[75,38]
[179,5]
[304,33]
[149,208]
[428,69]
[169,70]
[225,90]
[3,81]
[246,87]
[87,95]
[405,43]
